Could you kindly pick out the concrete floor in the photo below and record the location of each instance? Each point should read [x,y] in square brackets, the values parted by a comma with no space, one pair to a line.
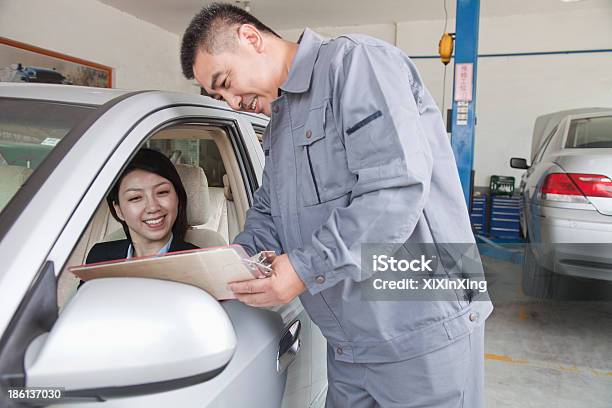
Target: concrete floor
[545,354]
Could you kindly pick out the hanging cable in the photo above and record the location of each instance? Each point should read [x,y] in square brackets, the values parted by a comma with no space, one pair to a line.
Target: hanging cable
[443,93]
[445,49]
[445,16]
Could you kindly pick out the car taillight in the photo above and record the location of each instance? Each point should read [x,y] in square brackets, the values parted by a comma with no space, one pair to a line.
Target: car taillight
[575,187]
[593,185]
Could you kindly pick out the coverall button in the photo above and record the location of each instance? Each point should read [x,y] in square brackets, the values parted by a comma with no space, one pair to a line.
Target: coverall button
[473,317]
[275,109]
[320,279]
[308,134]
[339,350]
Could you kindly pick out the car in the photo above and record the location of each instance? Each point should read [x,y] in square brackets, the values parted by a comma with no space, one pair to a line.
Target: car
[19,73]
[134,341]
[567,200]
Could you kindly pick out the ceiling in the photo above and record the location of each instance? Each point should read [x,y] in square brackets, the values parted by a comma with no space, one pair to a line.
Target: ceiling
[174,15]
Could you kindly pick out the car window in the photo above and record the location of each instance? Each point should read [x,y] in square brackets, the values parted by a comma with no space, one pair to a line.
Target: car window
[194,152]
[29,131]
[590,133]
[544,146]
[214,209]
[259,131]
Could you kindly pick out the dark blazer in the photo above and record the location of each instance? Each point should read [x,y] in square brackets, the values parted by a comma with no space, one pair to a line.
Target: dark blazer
[115,250]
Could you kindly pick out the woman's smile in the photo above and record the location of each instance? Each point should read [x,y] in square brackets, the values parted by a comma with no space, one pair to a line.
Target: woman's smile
[155,223]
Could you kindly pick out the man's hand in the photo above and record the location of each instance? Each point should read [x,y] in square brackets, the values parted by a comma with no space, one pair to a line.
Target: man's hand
[280,288]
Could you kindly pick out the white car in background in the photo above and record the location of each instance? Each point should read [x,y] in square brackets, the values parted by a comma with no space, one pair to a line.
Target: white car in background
[134,342]
[567,200]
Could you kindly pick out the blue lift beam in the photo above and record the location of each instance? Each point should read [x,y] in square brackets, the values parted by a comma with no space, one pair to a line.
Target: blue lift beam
[464,114]
[464,101]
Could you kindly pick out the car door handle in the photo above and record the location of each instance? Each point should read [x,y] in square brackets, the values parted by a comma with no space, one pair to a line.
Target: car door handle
[288,346]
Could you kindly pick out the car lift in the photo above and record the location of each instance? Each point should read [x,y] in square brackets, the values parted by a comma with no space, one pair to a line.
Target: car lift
[463,119]
[464,91]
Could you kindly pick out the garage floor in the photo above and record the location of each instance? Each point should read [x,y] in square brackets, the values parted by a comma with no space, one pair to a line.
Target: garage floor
[545,353]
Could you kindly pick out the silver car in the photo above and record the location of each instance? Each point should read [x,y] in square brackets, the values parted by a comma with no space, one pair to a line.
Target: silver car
[567,200]
[133,342]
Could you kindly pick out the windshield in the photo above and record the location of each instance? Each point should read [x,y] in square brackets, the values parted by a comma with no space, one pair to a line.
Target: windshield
[590,133]
[29,130]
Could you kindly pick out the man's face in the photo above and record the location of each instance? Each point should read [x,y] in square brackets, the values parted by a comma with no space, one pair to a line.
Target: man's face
[243,76]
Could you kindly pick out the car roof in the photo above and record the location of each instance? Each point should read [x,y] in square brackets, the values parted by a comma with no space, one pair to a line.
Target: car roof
[96,96]
[62,93]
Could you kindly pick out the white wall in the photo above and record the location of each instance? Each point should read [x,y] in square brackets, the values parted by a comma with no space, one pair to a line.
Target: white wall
[143,55]
[513,91]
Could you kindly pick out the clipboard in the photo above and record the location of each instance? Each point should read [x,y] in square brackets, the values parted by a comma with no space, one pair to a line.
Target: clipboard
[210,269]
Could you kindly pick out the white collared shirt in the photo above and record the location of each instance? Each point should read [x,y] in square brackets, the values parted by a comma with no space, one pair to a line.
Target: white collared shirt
[163,250]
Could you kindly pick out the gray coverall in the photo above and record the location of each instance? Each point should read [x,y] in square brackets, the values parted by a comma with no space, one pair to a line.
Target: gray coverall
[356,152]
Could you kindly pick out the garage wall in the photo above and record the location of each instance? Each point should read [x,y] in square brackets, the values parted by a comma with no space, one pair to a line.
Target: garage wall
[513,90]
[143,55]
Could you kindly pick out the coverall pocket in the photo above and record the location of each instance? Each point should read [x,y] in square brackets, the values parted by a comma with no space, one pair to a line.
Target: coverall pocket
[323,164]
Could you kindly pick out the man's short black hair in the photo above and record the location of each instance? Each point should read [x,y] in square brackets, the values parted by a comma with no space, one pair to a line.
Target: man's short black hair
[208,30]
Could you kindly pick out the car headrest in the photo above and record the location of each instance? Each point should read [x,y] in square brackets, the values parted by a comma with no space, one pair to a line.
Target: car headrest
[198,200]
[11,179]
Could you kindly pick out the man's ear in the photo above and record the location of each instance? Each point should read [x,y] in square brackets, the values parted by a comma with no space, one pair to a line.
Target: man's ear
[118,211]
[249,34]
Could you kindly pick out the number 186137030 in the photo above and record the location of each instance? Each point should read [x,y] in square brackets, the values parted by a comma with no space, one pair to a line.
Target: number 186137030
[32,394]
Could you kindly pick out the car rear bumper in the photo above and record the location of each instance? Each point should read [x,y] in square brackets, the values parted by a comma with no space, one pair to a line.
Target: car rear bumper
[576,243]
[593,261]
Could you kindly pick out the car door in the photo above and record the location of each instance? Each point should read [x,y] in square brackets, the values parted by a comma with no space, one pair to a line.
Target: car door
[255,375]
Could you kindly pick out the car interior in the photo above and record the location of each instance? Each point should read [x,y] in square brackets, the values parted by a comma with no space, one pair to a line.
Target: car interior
[12,177]
[216,195]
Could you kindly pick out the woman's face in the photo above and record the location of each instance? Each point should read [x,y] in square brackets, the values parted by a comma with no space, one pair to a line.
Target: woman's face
[148,204]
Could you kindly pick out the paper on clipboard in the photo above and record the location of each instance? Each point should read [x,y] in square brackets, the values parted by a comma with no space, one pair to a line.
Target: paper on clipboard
[210,269]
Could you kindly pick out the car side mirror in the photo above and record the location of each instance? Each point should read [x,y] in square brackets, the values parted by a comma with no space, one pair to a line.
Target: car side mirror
[518,163]
[122,337]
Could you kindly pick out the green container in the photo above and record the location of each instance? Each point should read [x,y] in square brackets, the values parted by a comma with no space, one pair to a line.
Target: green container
[501,185]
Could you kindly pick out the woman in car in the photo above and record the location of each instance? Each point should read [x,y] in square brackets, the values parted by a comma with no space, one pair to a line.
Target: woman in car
[150,202]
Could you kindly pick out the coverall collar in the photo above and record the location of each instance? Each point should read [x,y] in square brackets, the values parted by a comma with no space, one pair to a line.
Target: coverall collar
[300,73]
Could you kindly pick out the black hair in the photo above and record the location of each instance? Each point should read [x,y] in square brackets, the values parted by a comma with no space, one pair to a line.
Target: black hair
[153,162]
[208,30]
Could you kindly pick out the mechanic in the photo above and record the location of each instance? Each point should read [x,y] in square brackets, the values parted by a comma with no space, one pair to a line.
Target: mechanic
[356,152]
